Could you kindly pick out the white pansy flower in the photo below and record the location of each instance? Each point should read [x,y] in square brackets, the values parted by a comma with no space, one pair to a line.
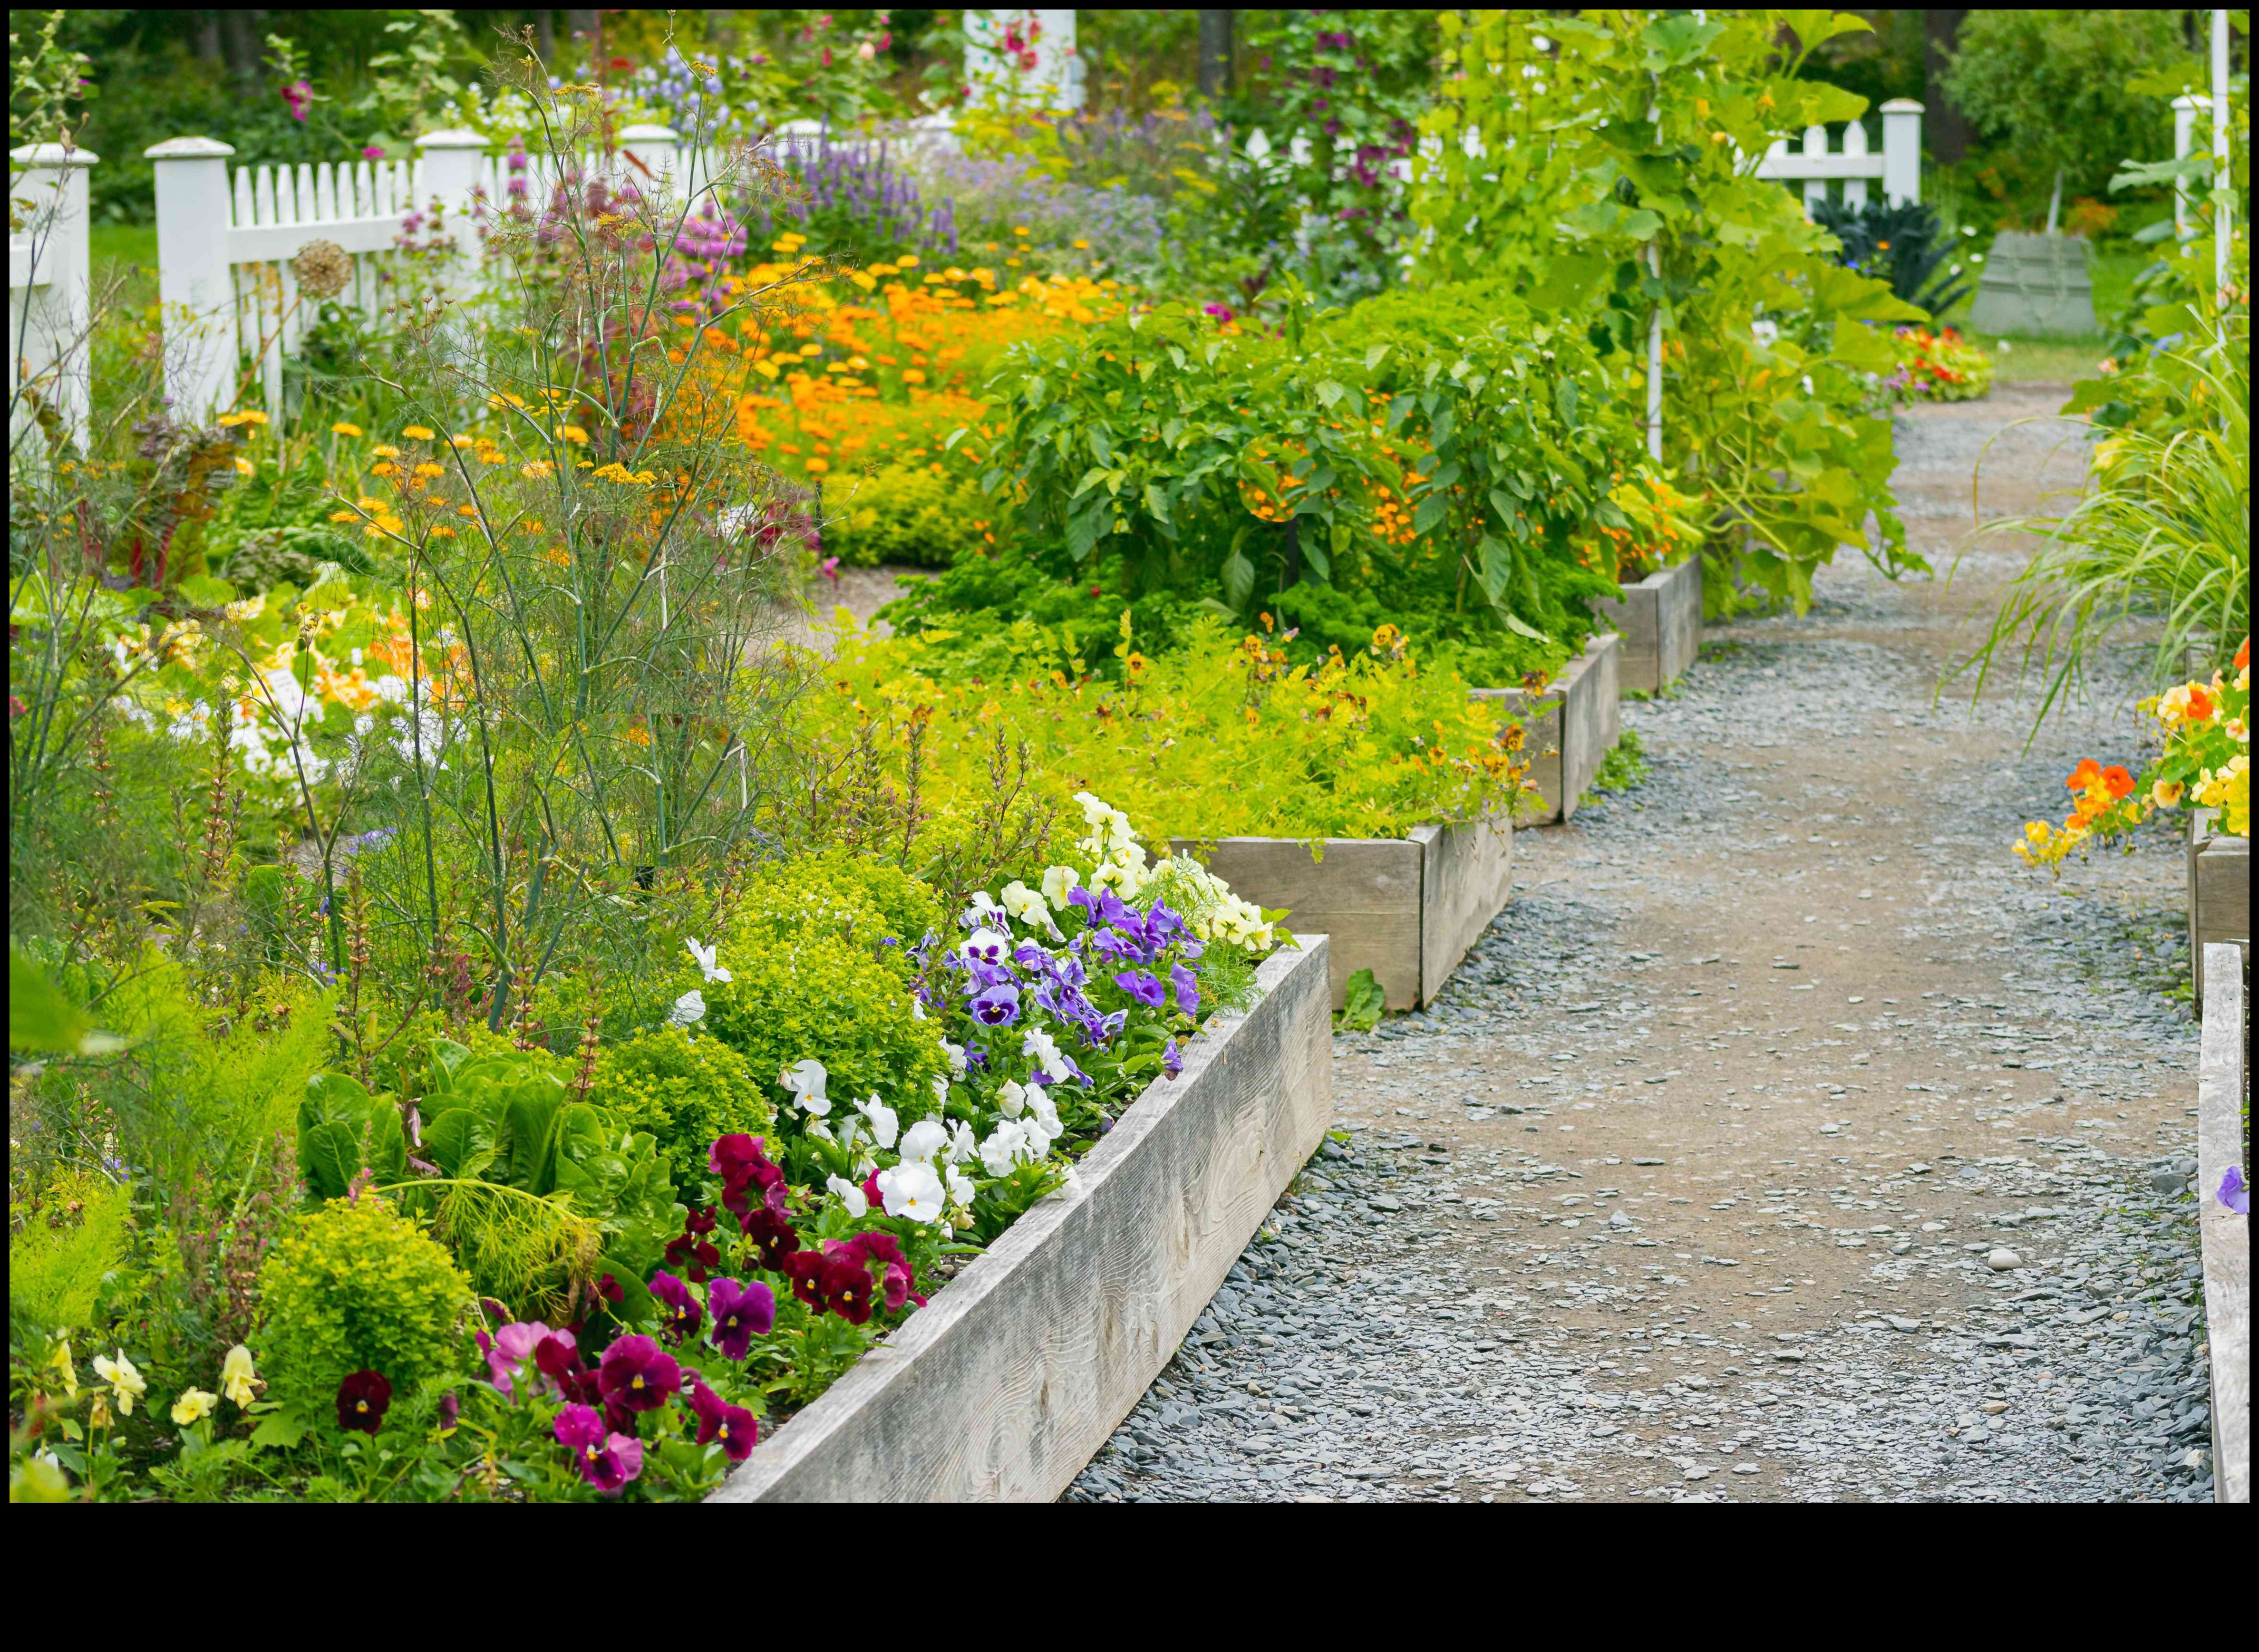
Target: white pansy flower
[687,1008]
[849,1195]
[885,1124]
[704,955]
[913,1191]
[922,1140]
[941,1089]
[1026,906]
[1011,1096]
[962,1144]
[955,1056]
[1002,1150]
[1057,881]
[1041,1045]
[917,1009]
[960,1187]
[806,1080]
[986,946]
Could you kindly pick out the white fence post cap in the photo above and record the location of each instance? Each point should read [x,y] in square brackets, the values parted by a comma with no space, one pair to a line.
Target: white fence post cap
[189,149]
[647,134]
[453,138]
[1902,106]
[52,155]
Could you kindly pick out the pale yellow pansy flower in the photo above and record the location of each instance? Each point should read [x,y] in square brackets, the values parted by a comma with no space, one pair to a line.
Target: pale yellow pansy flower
[193,1406]
[237,1380]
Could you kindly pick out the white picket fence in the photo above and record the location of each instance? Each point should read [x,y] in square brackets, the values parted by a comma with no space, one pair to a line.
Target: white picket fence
[47,284]
[1898,169]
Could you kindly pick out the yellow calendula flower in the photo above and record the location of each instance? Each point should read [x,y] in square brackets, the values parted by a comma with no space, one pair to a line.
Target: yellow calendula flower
[539,470]
[574,434]
[431,470]
[343,429]
[193,1406]
[244,467]
[416,433]
[385,450]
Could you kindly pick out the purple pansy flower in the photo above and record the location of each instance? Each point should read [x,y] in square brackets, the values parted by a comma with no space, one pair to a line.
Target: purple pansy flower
[732,1425]
[683,1315]
[1187,985]
[636,1375]
[2232,1193]
[607,1461]
[997,1006]
[741,1313]
[1172,1060]
[1142,987]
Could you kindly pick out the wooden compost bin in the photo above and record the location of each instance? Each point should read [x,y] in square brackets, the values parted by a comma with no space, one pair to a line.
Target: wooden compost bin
[1003,1386]
[2218,889]
[1406,909]
[1660,621]
[1569,727]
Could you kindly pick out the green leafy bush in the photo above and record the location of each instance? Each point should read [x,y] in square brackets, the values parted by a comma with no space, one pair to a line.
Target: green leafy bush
[805,996]
[60,1249]
[1637,197]
[855,898]
[683,1092]
[904,514]
[356,1286]
[1220,736]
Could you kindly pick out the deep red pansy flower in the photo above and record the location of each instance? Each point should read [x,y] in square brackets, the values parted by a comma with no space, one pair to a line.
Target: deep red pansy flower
[363,1398]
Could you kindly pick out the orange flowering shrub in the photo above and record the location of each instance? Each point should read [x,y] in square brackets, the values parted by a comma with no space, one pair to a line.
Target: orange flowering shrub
[880,366]
[2207,760]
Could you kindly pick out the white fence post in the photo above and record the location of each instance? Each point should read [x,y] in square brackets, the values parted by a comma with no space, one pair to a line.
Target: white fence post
[652,150]
[453,174]
[2223,197]
[193,281]
[2184,110]
[1902,151]
[47,281]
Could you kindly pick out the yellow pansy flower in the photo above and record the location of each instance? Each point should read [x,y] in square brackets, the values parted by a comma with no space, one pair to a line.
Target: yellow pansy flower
[193,1406]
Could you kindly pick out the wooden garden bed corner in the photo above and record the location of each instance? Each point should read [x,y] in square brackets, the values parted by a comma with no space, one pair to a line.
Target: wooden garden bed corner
[2218,889]
[1569,727]
[1407,908]
[2223,1081]
[1660,621]
[1003,1387]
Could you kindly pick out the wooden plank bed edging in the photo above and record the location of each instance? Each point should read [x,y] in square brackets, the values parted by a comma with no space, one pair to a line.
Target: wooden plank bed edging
[2219,890]
[1006,1385]
[2222,1083]
[1406,909]
[1569,727]
[1660,620]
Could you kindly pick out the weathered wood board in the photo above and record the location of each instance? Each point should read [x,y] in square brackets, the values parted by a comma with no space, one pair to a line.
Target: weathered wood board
[1009,1381]
[1406,910]
[1660,621]
[2222,1084]
[2218,889]
[1569,727]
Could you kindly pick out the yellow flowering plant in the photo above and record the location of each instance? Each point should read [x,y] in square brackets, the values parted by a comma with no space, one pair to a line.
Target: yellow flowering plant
[2206,762]
[1219,737]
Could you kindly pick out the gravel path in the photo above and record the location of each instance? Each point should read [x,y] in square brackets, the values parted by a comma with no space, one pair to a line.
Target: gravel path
[1782,1139]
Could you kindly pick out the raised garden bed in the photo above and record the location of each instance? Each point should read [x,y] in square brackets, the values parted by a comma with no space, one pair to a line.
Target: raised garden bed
[1660,621]
[1007,1384]
[1569,727]
[2222,1085]
[1406,909]
[2218,889]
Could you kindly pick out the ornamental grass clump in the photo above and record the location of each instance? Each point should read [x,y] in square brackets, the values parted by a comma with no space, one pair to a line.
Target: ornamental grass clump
[1219,737]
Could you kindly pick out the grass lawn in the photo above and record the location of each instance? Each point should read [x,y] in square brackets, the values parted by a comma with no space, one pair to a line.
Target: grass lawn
[2027,358]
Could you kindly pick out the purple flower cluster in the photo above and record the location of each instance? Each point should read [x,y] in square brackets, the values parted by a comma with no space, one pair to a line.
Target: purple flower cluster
[988,200]
[998,981]
[857,198]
